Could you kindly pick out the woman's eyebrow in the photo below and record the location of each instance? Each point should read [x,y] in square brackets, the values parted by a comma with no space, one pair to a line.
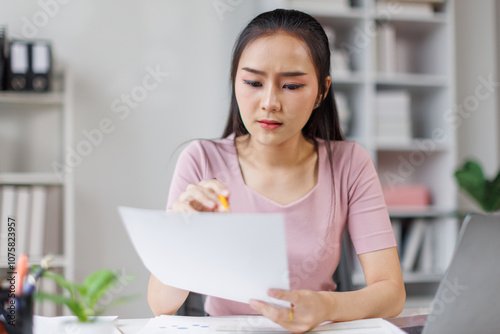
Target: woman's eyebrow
[285,74]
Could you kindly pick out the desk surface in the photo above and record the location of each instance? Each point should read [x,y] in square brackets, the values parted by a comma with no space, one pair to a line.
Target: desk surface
[409,317]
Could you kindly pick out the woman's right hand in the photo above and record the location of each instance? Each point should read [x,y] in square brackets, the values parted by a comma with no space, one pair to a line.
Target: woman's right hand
[203,196]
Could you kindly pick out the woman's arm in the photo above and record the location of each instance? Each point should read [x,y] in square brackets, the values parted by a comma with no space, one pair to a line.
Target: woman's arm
[383,297]
[164,299]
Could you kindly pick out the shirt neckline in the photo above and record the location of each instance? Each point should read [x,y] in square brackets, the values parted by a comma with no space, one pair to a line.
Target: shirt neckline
[267,199]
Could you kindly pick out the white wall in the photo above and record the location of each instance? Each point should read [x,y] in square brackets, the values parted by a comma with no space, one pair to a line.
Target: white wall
[109,45]
[476,38]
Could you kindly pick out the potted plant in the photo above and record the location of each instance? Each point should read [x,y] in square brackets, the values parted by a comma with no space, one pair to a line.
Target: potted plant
[485,192]
[85,300]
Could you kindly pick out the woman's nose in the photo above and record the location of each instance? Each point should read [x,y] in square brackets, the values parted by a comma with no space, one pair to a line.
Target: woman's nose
[270,101]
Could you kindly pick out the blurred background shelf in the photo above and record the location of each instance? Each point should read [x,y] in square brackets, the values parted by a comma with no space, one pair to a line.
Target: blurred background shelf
[409,58]
[30,178]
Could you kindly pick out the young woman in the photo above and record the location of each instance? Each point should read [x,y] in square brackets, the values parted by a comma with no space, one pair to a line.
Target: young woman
[282,151]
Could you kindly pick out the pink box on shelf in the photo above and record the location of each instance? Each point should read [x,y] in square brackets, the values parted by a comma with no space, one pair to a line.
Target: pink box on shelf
[412,195]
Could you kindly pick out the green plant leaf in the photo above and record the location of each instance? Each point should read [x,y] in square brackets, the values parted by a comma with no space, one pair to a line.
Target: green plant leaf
[472,186]
[72,304]
[83,298]
[486,193]
[97,284]
[81,289]
[471,179]
[493,195]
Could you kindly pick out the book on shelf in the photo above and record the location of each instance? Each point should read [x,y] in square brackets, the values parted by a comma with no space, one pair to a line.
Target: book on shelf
[385,36]
[426,260]
[38,211]
[413,244]
[393,116]
[38,214]
[3,54]
[23,211]
[408,195]
[8,210]
[404,56]
[53,221]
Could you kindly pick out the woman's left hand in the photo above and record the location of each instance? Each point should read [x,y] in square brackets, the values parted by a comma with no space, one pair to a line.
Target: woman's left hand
[309,309]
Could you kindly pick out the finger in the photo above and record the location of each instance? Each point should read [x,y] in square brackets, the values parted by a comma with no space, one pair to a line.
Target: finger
[220,192]
[211,188]
[278,315]
[289,296]
[218,187]
[199,198]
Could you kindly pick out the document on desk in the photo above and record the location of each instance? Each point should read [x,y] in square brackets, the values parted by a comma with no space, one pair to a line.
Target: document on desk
[227,255]
[258,324]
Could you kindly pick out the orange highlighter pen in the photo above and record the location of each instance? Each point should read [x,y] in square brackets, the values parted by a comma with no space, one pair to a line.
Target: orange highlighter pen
[224,202]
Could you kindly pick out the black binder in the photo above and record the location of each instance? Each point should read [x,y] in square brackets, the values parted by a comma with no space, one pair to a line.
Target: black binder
[30,66]
[18,73]
[41,65]
[3,56]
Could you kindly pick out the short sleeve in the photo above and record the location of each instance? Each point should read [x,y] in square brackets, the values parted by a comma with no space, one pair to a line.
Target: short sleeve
[368,220]
[190,169]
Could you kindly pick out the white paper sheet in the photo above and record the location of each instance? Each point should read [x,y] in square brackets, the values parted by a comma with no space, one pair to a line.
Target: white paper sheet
[232,256]
[258,324]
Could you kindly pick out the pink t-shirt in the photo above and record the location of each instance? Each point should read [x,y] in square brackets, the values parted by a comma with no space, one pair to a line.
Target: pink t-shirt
[313,237]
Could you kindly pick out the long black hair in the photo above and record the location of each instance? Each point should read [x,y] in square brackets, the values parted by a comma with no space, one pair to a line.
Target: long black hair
[324,121]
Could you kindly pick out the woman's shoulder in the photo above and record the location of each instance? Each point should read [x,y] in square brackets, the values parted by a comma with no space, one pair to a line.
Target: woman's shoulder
[202,148]
[350,160]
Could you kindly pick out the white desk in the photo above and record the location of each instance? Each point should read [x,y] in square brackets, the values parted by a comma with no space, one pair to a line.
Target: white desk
[414,316]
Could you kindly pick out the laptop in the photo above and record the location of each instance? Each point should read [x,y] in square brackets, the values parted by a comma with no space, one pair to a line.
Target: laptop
[467,297]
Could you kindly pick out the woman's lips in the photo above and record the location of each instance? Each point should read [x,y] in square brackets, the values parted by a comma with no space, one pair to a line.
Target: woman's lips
[270,125]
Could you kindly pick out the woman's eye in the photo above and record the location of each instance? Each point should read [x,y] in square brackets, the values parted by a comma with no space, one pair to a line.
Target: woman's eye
[253,83]
[292,86]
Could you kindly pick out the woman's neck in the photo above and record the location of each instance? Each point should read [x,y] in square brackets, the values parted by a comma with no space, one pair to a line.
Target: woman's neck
[287,154]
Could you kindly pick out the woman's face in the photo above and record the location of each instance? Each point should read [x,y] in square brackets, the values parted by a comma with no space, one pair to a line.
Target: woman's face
[276,88]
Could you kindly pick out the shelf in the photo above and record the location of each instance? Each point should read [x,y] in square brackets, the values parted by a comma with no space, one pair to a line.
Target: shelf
[411,146]
[408,80]
[419,212]
[30,178]
[58,262]
[51,98]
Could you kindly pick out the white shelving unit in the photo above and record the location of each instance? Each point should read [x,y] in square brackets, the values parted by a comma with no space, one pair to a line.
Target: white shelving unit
[35,130]
[429,81]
